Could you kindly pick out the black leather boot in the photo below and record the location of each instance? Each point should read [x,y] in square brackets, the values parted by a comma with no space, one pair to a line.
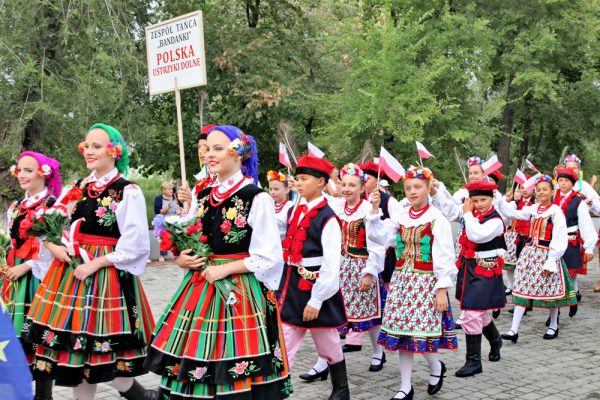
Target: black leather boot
[138,392]
[473,364]
[43,390]
[493,336]
[339,381]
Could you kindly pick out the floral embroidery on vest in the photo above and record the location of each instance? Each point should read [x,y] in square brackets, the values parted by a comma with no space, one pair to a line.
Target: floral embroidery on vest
[234,221]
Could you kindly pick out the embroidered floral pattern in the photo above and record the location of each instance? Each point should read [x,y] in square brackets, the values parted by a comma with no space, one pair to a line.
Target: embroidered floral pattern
[108,206]
[124,366]
[277,358]
[530,283]
[80,343]
[102,347]
[49,338]
[360,306]
[244,368]
[234,221]
[173,370]
[43,366]
[198,374]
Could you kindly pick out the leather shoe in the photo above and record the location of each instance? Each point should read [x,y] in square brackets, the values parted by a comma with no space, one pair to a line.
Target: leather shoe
[377,367]
[513,338]
[433,389]
[317,375]
[496,314]
[548,336]
[407,396]
[349,348]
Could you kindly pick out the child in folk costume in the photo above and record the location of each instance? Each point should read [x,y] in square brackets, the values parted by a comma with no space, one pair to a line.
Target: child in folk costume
[580,227]
[279,190]
[516,235]
[204,178]
[479,286]
[90,319]
[309,293]
[541,280]
[206,346]
[28,260]
[417,316]
[362,262]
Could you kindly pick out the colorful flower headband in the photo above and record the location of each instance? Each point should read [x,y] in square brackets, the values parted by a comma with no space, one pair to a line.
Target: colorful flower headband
[276,176]
[422,173]
[471,161]
[545,178]
[353,169]
[241,146]
[113,149]
[43,170]
[572,158]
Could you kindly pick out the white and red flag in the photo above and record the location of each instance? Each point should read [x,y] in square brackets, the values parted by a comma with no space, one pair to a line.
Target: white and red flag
[531,166]
[390,166]
[423,152]
[491,165]
[284,158]
[530,183]
[520,177]
[315,151]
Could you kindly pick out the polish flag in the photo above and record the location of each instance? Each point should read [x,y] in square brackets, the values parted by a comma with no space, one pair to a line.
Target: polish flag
[283,156]
[491,165]
[423,152]
[530,183]
[520,177]
[531,166]
[390,166]
[315,151]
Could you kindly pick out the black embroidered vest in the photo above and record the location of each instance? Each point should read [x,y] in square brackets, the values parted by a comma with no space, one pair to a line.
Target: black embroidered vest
[48,201]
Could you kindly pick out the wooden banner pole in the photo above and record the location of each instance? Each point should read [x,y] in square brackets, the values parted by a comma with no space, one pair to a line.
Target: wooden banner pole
[180,134]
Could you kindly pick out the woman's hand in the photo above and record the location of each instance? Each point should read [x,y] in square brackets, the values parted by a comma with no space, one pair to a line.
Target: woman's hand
[433,188]
[84,270]
[184,193]
[310,314]
[59,252]
[441,301]
[366,283]
[375,200]
[508,196]
[214,273]
[17,271]
[185,260]
[587,257]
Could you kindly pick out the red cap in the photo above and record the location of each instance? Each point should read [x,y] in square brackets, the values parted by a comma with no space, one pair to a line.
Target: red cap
[497,175]
[204,131]
[315,166]
[568,173]
[370,168]
[481,188]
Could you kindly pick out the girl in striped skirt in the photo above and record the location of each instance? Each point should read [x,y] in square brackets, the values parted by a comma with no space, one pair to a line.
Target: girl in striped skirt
[28,260]
[207,346]
[90,319]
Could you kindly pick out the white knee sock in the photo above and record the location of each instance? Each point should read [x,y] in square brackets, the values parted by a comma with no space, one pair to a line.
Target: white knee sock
[510,276]
[121,384]
[435,367]
[574,278]
[377,350]
[553,321]
[517,317]
[84,391]
[320,366]
[406,364]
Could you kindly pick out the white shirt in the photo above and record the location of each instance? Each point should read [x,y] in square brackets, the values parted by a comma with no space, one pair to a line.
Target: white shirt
[483,232]
[585,225]
[559,241]
[443,256]
[41,265]
[590,194]
[282,218]
[133,246]
[266,255]
[375,261]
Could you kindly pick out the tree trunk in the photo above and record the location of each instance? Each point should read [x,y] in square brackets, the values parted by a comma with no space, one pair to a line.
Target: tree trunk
[252,12]
[508,112]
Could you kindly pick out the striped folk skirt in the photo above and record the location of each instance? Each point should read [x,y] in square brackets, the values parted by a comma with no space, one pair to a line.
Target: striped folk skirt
[97,329]
[206,347]
[17,295]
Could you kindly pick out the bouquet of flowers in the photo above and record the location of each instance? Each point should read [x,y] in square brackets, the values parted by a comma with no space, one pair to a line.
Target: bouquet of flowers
[186,233]
[4,247]
[48,222]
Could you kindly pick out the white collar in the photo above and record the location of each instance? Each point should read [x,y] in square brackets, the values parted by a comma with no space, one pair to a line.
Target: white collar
[565,195]
[102,181]
[230,182]
[312,204]
[29,200]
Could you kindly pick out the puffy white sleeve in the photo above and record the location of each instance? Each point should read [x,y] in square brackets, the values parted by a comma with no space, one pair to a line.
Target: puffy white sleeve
[282,219]
[482,233]
[133,247]
[328,282]
[383,232]
[40,266]
[559,242]
[586,228]
[9,213]
[448,206]
[376,251]
[510,212]
[336,203]
[591,195]
[266,256]
[442,254]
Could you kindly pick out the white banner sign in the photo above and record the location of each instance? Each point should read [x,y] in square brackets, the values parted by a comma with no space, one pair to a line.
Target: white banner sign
[175,49]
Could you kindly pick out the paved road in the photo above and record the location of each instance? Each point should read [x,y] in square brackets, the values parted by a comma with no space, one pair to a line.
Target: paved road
[565,368]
